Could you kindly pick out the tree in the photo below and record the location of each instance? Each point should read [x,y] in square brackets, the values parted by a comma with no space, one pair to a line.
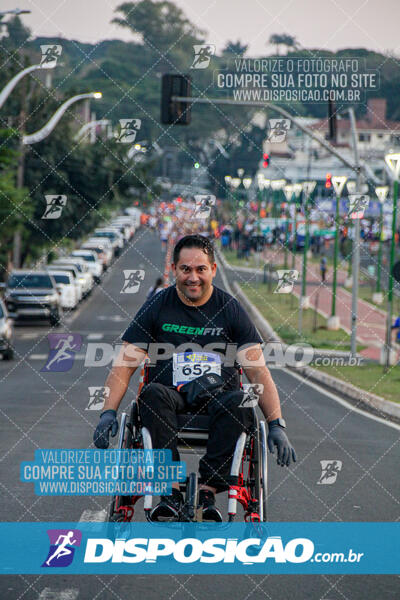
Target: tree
[162,26]
[283,39]
[235,48]
[13,208]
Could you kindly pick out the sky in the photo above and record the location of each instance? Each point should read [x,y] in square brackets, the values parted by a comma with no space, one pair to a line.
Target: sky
[330,24]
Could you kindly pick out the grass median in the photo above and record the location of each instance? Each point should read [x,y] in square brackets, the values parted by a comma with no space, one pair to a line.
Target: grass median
[370,378]
[282,313]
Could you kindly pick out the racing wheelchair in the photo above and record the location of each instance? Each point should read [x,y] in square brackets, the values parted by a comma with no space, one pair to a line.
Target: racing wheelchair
[249,464]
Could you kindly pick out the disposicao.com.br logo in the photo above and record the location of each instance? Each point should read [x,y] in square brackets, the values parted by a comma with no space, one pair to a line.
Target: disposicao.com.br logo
[213,550]
[62,547]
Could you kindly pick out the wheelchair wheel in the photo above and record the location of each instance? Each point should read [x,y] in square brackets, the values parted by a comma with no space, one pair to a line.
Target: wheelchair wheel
[114,514]
[255,470]
[264,470]
[121,507]
[191,500]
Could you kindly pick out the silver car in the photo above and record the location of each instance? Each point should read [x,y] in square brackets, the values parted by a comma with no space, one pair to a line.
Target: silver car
[6,333]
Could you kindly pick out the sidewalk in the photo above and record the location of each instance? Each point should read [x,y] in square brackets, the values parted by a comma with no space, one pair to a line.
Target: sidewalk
[371,321]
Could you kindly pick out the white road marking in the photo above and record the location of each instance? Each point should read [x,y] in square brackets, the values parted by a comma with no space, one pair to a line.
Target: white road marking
[29,336]
[44,356]
[52,594]
[344,402]
[95,336]
[93,516]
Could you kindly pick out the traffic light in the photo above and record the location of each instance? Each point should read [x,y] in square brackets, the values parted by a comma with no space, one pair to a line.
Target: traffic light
[173,112]
[265,160]
[328,181]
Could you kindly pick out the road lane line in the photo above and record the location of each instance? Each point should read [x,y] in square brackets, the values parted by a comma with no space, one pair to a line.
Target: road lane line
[52,594]
[44,356]
[93,516]
[343,402]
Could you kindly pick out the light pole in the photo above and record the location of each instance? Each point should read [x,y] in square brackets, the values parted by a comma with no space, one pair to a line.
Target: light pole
[308,188]
[351,189]
[338,185]
[31,139]
[393,162]
[297,189]
[260,185]
[42,133]
[288,191]
[382,192]
[276,185]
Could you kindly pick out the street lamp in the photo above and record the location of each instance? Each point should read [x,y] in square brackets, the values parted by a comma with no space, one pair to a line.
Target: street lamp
[6,91]
[393,162]
[247,181]
[42,133]
[228,179]
[308,188]
[382,192]
[338,183]
[32,139]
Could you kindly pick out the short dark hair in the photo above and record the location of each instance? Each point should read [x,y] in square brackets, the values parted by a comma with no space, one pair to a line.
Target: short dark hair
[195,241]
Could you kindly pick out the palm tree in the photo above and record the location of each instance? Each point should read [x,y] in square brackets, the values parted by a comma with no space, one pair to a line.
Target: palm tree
[283,38]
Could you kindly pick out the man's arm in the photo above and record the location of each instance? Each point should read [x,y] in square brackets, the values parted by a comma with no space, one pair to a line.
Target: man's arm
[252,360]
[253,363]
[128,360]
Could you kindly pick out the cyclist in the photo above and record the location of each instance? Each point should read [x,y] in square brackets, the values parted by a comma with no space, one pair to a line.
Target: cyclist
[198,313]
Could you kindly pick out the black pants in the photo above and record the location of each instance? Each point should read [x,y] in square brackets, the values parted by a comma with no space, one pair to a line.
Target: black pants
[159,406]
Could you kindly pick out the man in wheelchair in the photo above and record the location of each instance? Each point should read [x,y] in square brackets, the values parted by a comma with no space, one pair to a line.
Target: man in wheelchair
[194,335]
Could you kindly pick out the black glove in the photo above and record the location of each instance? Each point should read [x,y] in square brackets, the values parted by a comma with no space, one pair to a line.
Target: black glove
[278,437]
[108,422]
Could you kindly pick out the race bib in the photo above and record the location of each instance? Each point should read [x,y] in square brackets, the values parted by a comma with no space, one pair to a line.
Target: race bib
[190,365]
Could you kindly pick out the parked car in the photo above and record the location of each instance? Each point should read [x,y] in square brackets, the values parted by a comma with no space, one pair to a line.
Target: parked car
[84,277]
[93,263]
[115,238]
[66,287]
[33,294]
[121,228]
[127,222]
[6,333]
[74,272]
[103,251]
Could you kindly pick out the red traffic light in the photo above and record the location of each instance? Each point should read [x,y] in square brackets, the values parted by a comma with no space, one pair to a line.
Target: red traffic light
[328,182]
[265,160]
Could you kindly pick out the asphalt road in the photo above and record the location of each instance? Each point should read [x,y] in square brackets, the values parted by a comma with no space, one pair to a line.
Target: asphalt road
[48,410]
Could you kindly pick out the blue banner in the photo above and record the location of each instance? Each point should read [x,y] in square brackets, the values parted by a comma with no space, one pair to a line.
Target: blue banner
[224,548]
[76,472]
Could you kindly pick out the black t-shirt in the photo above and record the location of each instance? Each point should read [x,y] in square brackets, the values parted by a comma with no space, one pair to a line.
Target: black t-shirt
[220,325]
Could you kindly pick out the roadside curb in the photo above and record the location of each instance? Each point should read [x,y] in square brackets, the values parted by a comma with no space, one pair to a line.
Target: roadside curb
[328,381]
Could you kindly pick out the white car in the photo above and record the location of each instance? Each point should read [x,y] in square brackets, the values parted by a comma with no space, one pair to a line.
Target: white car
[116,239]
[135,213]
[75,276]
[123,229]
[85,277]
[128,223]
[93,263]
[103,251]
[66,288]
